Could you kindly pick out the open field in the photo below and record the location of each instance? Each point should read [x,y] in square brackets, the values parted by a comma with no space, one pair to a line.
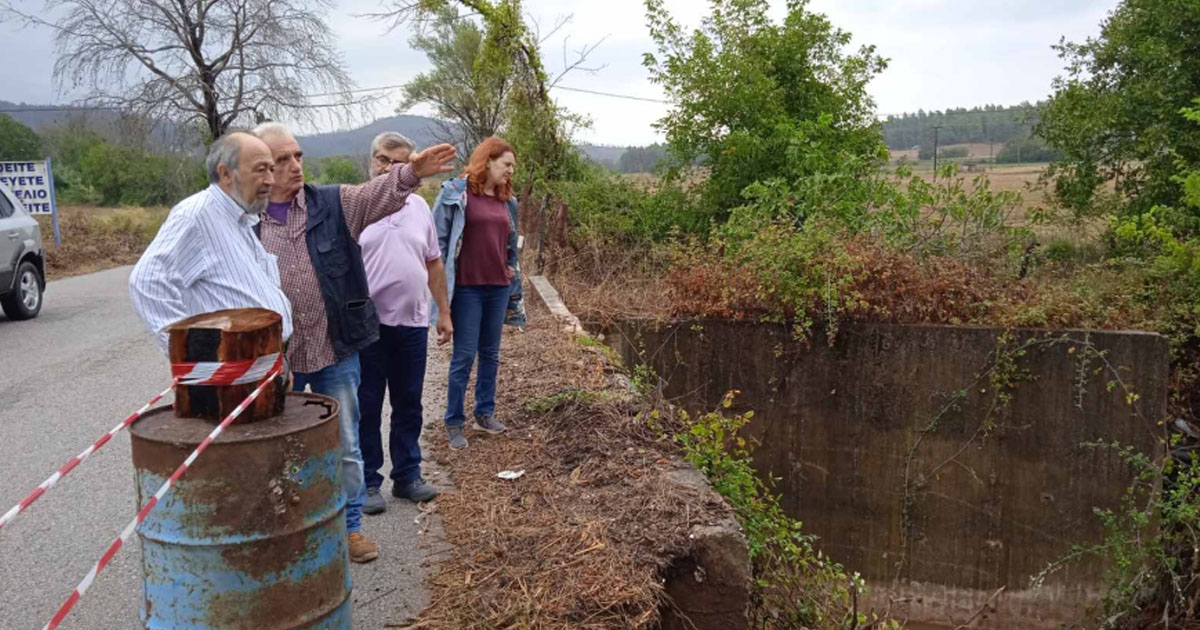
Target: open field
[1018,178]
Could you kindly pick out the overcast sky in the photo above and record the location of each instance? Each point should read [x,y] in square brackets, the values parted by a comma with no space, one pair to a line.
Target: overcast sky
[943,53]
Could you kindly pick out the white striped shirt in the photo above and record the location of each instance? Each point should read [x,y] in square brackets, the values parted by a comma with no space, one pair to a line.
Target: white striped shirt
[205,258]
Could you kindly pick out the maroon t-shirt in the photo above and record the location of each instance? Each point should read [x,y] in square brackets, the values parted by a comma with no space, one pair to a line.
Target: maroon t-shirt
[484,252]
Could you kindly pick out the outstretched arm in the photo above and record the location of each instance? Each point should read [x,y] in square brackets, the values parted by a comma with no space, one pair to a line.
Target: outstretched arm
[364,204]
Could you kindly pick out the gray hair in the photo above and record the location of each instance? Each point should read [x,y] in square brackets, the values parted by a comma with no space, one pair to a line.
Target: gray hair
[390,140]
[227,152]
[269,128]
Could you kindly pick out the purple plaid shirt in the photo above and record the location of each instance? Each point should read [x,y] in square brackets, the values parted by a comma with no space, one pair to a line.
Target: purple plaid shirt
[310,349]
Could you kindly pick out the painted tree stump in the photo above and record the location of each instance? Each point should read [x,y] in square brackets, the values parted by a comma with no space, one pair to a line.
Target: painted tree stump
[230,335]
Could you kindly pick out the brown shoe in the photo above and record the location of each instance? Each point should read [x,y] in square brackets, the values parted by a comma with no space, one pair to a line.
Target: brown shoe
[362,550]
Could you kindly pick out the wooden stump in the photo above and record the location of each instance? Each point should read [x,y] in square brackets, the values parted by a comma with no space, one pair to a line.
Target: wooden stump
[230,335]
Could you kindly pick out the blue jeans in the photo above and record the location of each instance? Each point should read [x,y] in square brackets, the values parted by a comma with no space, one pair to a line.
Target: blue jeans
[478,316]
[340,382]
[396,363]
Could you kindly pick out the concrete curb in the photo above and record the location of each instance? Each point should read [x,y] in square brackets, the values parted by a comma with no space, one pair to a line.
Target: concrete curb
[555,303]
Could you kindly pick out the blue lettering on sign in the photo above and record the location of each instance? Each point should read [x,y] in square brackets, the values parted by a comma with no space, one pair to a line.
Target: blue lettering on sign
[24,194]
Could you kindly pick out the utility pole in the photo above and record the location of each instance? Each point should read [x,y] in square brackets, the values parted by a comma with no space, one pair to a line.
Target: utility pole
[988,137]
[935,149]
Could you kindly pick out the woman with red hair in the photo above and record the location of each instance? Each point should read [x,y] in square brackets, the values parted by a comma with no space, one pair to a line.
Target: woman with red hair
[476,219]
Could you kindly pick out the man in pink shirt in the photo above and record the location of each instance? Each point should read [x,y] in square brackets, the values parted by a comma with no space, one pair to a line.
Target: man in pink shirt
[402,259]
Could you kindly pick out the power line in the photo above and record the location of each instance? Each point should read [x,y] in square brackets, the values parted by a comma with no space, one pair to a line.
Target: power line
[357,91]
[612,95]
[63,108]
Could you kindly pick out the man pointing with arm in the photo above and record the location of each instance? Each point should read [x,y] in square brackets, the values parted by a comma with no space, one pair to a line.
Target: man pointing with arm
[313,230]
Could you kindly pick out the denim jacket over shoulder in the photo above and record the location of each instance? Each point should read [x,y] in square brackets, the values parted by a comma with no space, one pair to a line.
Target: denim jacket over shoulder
[450,217]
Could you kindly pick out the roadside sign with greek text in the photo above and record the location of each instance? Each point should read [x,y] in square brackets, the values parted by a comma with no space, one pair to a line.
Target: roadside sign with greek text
[31,183]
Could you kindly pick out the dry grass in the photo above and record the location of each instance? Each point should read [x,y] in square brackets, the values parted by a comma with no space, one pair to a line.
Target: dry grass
[602,282]
[1022,179]
[95,239]
[580,540]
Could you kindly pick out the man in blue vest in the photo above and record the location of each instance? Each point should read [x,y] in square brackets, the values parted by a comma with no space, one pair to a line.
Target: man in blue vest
[314,230]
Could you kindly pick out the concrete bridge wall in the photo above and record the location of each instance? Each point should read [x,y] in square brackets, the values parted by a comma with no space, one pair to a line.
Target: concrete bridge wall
[892,445]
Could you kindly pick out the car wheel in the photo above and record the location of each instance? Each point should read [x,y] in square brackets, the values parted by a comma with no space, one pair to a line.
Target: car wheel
[25,301]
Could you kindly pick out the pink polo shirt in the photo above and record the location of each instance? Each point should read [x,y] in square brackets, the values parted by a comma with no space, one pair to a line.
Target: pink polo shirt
[395,250]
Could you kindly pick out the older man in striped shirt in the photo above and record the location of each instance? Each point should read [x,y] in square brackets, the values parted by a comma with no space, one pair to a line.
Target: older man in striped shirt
[206,256]
[314,232]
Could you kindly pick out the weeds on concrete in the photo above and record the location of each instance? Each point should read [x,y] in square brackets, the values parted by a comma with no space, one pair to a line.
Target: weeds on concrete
[796,586]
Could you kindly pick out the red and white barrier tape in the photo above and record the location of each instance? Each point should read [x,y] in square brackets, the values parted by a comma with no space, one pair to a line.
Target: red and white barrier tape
[205,373]
[77,460]
[226,373]
[141,515]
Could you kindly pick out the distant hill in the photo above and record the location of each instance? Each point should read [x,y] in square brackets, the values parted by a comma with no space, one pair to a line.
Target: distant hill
[38,117]
[423,130]
[420,129]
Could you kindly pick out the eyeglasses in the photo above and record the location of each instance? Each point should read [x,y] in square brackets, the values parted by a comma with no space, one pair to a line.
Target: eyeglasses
[383,160]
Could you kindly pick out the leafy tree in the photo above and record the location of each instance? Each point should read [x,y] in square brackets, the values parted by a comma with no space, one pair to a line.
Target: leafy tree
[470,100]
[1025,150]
[510,55]
[340,169]
[18,142]
[750,93]
[1115,115]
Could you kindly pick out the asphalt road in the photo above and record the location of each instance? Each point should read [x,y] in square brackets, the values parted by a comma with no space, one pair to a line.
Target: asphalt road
[68,376]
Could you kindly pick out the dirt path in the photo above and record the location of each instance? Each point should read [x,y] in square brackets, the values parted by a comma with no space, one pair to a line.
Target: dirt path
[392,589]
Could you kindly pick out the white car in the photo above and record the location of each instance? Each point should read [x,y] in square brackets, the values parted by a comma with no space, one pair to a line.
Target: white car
[22,259]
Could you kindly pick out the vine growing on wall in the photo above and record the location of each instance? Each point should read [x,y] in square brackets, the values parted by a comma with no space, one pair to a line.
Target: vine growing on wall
[1150,540]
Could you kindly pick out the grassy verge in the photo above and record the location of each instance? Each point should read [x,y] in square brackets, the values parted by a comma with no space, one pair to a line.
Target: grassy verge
[95,239]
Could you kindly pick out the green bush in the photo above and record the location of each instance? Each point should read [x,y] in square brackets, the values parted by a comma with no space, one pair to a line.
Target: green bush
[1025,150]
[340,169]
[111,174]
[618,210]
[18,142]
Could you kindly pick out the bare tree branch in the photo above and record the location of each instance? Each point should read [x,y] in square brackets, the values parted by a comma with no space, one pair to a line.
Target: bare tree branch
[581,56]
[222,62]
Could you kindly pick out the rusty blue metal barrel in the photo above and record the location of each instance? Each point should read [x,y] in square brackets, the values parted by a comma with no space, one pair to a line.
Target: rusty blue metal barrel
[253,536]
